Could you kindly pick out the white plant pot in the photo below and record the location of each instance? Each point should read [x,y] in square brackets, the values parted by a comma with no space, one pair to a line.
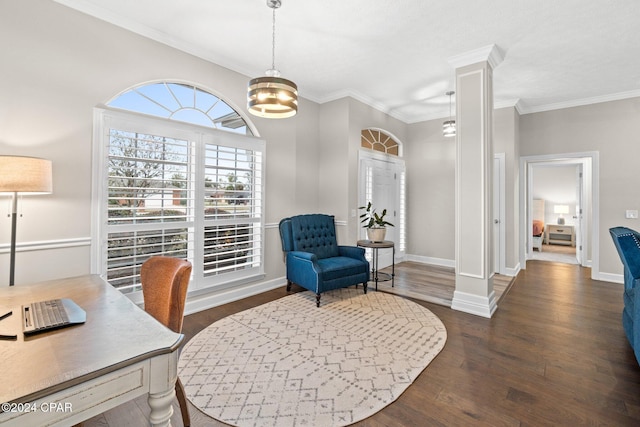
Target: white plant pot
[376,234]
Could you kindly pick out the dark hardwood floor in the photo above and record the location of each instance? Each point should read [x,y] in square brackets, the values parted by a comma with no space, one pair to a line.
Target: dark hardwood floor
[431,283]
[554,354]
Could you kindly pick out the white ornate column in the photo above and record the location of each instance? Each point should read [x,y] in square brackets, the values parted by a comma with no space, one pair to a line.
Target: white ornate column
[474,181]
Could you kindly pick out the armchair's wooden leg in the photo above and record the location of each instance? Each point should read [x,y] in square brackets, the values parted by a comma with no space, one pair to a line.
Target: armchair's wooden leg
[317,300]
[364,285]
[182,400]
[288,285]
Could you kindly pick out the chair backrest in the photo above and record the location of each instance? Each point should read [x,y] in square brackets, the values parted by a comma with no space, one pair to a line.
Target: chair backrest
[315,233]
[627,243]
[164,288]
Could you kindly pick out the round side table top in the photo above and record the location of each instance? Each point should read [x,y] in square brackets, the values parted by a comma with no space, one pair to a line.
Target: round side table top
[372,244]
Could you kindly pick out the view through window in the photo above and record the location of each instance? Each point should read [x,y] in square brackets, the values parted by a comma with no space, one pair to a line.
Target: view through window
[185,183]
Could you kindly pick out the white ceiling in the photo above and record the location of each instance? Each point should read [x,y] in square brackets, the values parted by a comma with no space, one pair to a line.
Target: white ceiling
[393,55]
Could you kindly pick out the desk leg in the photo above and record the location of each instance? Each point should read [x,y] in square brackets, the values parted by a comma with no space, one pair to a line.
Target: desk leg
[162,388]
[161,408]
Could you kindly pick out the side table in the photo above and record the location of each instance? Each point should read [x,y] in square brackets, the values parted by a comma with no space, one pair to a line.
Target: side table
[375,246]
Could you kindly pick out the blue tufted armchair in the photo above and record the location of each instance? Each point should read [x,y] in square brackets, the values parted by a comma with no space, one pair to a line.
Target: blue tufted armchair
[627,243]
[313,258]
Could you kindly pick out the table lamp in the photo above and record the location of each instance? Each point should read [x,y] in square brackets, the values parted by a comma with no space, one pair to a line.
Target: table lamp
[22,175]
[561,209]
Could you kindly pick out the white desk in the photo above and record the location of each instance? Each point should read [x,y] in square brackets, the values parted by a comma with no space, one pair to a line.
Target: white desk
[65,376]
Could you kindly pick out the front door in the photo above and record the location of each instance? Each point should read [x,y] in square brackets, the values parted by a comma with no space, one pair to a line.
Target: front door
[381,187]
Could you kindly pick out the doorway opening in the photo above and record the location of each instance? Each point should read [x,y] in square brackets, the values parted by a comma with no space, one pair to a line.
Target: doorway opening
[560,191]
[557,211]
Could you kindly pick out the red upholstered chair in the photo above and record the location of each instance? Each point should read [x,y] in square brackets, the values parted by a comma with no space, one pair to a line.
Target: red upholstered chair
[164,289]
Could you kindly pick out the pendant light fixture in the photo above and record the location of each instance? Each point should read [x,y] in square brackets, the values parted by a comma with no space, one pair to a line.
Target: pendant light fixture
[449,126]
[272,96]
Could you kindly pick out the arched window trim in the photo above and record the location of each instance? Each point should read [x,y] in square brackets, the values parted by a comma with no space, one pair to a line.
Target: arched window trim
[388,134]
[245,117]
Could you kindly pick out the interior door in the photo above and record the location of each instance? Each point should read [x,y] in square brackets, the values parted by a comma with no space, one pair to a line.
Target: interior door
[381,188]
[498,212]
[578,215]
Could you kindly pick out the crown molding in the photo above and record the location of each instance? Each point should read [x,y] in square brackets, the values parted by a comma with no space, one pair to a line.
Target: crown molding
[491,54]
[581,102]
[515,103]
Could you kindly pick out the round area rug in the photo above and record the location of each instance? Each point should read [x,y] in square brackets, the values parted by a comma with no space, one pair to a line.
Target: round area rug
[289,363]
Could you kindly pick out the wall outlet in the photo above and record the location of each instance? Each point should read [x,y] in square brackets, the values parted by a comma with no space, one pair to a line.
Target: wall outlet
[631,214]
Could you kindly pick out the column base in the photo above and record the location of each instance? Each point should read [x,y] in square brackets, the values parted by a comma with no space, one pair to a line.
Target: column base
[475,304]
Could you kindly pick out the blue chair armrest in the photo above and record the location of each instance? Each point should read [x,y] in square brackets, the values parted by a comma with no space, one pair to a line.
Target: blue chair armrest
[303,269]
[307,256]
[352,252]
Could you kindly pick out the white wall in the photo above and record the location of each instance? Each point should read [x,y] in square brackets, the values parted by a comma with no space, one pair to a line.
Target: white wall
[58,64]
[506,137]
[613,130]
[333,162]
[431,164]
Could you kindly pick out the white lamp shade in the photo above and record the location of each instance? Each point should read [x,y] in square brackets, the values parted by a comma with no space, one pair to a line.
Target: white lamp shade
[561,209]
[25,175]
[449,128]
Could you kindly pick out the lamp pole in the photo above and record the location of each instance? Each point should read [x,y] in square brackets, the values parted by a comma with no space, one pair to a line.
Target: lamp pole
[14,221]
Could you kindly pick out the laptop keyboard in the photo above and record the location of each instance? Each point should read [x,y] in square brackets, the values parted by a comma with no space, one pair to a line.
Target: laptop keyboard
[48,314]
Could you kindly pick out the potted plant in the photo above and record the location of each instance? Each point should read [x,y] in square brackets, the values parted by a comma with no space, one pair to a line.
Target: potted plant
[374,223]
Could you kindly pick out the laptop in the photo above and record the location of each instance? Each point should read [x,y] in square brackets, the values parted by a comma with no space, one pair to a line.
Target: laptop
[44,316]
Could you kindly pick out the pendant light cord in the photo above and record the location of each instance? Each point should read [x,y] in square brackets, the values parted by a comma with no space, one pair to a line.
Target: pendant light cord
[273,42]
[450,93]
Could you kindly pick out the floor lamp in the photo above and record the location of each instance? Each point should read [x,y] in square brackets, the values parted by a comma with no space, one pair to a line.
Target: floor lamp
[22,175]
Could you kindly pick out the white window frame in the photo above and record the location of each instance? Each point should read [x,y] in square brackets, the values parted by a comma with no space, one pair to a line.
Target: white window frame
[106,118]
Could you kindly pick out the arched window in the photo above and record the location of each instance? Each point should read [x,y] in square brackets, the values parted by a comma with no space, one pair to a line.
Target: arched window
[378,140]
[183,179]
[182,102]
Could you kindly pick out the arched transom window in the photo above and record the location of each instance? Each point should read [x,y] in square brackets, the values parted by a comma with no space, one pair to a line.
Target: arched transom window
[378,140]
[182,102]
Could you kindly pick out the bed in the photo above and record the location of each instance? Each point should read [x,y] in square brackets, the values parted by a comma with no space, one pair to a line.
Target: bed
[538,234]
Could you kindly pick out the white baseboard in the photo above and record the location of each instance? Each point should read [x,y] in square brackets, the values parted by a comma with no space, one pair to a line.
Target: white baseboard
[512,271]
[610,277]
[209,300]
[474,304]
[432,261]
